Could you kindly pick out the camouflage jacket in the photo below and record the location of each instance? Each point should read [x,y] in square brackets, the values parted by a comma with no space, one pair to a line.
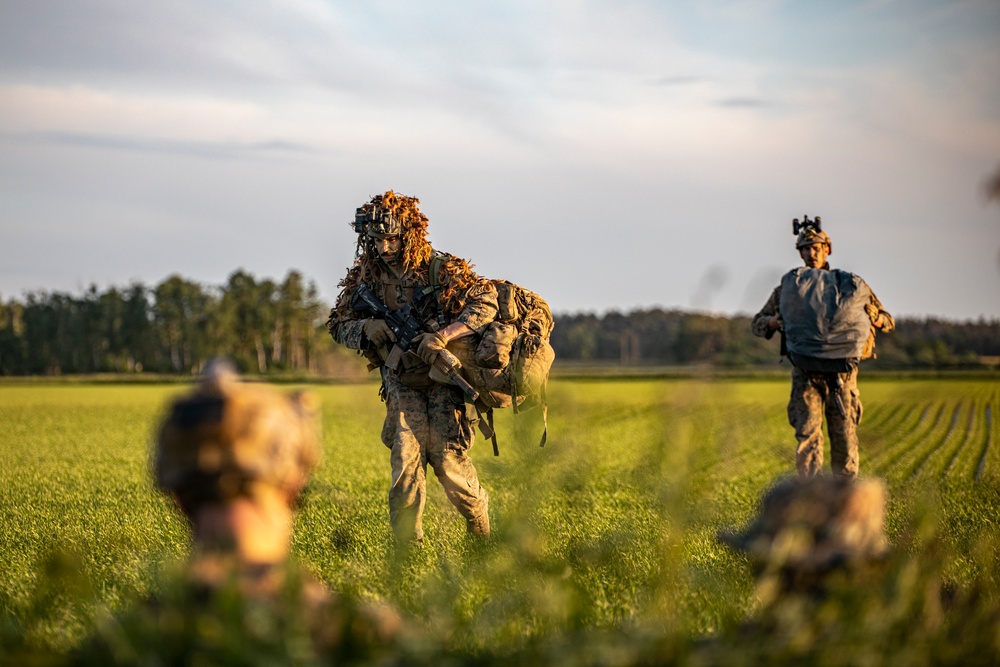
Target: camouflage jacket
[474,306]
[759,323]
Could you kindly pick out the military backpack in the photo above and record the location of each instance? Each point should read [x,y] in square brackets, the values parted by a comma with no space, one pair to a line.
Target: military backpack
[826,325]
[509,364]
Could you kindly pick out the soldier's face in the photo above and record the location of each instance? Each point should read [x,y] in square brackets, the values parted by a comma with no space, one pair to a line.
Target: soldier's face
[814,255]
[389,248]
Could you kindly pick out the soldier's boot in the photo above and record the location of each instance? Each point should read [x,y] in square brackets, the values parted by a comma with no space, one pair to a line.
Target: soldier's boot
[479,526]
[407,527]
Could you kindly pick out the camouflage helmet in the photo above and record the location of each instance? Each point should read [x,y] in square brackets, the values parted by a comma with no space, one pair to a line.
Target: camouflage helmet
[815,524]
[810,236]
[228,438]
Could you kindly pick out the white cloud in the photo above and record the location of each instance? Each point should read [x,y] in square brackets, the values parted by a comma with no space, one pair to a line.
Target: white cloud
[82,109]
[662,139]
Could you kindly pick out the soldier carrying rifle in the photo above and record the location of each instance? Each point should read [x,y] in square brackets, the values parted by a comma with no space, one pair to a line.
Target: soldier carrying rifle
[401,319]
[827,318]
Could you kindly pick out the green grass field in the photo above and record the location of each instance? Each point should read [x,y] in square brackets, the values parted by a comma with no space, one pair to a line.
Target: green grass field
[612,525]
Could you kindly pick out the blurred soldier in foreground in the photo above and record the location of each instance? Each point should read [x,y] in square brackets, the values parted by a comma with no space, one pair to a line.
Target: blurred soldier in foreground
[809,528]
[827,590]
[828,320]
[429,420]
[236,458]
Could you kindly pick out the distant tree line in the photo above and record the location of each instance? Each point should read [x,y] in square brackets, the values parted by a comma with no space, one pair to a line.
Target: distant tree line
[673,337]
[267,326]
[174,327]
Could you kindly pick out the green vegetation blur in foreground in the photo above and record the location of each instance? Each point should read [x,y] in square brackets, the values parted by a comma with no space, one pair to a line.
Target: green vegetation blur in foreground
[604,547]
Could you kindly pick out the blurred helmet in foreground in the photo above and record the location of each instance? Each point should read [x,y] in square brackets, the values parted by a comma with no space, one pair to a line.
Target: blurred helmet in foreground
[816,524]
[228,439]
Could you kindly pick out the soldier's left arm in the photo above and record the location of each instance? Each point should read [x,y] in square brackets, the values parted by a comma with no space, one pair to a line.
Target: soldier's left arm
[881,318]
[479,298]
[480,306]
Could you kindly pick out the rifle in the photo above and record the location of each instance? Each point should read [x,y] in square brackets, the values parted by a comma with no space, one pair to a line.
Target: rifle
[406,326]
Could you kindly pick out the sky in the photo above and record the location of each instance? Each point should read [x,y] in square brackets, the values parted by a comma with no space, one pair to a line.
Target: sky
[609,155]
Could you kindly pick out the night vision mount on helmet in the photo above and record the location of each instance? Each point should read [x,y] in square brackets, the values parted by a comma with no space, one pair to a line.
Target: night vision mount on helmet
[809,232]
[815,224]
[376,221]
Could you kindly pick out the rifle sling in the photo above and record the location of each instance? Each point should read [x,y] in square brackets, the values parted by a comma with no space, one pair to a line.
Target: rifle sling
[486,426]
[545,416]
[433,277]
[493,437]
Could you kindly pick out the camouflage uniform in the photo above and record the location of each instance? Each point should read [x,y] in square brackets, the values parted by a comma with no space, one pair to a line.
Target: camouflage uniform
[810,400]
[426,422]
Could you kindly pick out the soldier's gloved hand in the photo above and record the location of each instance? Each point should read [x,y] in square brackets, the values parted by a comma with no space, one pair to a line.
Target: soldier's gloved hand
[429,345]
[872,311]
[379,333]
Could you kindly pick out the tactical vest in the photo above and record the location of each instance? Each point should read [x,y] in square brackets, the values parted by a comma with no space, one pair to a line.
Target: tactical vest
[395,293]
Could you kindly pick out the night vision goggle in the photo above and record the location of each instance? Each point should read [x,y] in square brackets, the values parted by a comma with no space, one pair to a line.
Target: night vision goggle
[815,224]
[376,221]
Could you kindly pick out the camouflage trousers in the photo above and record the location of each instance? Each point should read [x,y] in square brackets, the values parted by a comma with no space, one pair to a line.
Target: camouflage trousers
[812,398]
[430,426]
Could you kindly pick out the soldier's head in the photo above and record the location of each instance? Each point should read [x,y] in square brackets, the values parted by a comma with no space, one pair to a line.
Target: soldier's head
[392,228]
[236,458]
[809,527]
[814,247]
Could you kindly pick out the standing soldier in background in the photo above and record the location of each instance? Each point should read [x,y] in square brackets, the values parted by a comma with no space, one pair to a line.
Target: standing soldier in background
[828,320]
[428,419]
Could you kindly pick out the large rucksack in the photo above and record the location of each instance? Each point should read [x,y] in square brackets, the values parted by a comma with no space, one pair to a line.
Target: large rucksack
[826,325]
[509,364]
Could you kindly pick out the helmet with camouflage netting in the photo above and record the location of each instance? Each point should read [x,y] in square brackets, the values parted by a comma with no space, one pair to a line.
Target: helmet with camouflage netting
[392,214]
[228,439]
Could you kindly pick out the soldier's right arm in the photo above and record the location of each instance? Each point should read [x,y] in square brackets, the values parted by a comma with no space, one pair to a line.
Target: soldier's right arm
[349,333]
[346,325]
[759,325]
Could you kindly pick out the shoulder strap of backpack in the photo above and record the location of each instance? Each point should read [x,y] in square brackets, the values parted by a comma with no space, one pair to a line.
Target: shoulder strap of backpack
[433,277]
[434,271]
